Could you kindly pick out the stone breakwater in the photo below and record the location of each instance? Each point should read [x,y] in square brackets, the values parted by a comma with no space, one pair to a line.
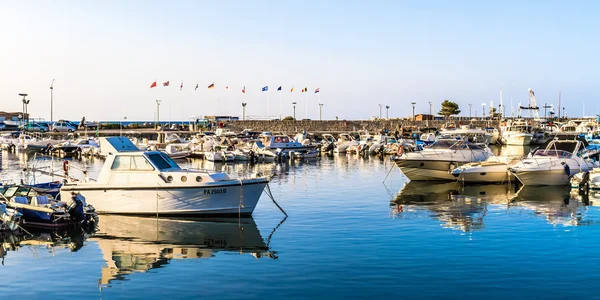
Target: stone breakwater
[343,125]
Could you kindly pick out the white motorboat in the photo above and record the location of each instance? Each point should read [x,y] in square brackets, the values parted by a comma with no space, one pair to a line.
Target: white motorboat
[437,161]
[552,166]
[344,142]
[494,133]
[242,155]
[176,151]
[151,183]
[516,132]
[283,142]
[493,169]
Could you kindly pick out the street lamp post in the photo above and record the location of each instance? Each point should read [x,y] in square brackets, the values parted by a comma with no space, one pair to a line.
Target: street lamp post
[387,112]
[157,114]
[320,111]
[470,105]
[121,127]
[244,111]
[294,104]
[413,105]
[483,110]
[380,107]
[25,102]
[431,108]
[51,103]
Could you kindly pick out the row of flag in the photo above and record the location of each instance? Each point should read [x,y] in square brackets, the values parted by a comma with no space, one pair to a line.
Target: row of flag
[212,86]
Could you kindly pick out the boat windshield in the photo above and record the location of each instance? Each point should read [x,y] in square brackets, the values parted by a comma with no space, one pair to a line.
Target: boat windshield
[162,161]
[454,145]
[552,153]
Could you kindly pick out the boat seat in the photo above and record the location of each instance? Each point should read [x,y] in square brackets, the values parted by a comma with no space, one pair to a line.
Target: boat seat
[20,199]
[39,200]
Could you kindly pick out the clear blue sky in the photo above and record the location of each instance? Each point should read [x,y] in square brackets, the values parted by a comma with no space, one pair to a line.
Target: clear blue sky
[105,54]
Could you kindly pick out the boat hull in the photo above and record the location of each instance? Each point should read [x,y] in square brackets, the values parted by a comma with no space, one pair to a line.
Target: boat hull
[543,177]
[517,139]
[485,177]
[229,198]
[428,170]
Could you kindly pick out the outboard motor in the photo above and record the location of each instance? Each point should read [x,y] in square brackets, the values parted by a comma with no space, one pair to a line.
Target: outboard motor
[75,207]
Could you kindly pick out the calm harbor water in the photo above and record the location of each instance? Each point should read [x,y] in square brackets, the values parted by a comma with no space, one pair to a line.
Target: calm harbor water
[349,234]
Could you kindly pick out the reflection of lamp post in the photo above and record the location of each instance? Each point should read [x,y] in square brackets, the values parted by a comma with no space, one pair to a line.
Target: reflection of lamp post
[157,114]
[413,105]
[387,112]
[244,111]
[320,111]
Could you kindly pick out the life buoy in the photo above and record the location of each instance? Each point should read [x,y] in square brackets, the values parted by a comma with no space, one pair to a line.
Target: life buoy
[400,150]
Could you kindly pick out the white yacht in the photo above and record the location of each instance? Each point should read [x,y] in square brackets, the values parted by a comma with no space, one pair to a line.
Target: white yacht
[151,183]
[552,166]
[516,132]
[437,161]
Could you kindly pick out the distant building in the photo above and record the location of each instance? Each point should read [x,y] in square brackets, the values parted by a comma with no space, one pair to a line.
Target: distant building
[423,117]
[12,116]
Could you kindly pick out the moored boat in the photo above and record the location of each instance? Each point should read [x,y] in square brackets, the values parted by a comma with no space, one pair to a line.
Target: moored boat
[151,183]
[437,161]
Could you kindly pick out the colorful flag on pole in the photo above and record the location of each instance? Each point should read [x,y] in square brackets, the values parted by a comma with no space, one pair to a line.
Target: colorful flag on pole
[211,86]
[166,83]
[303,90]
[196,87]
[292,90]
[244,89]
[317,90]
[153,84]
[265,88]
[279,88]
[181,86]
[226,87]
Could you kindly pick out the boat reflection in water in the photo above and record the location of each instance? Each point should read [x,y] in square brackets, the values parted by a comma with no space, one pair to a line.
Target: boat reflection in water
[464,207]
[54,240]
[136,244]
[461,207]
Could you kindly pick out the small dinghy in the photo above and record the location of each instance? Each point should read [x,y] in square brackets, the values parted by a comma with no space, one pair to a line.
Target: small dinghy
[43,211]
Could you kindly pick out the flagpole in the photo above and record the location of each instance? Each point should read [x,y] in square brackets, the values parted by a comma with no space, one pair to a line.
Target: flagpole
[306,105]
[267,104]
[229,96]
[280,105]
